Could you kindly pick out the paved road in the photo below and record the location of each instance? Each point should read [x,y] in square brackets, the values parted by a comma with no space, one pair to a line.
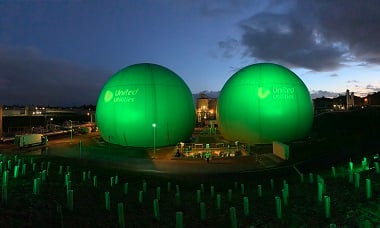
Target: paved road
[89,147]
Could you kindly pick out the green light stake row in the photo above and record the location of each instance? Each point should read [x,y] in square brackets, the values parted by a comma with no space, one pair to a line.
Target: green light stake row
[144,186]
[107,200]
[36,186]
[368,188]
[259,191]
[357,180]
[350,176]
[327,207]
[158,193]
[4,194]
[5,177]
[67,178]
[95,181]
[198,196]
[70,199]
[272,184]
[377,168]
[321,180]
[15,171]
[179,219]
[233,217]
[125,188]
[246,206]
[286,188]
[229,195]
[43,174]
[351,166]
[68,186]
[156,210]
[320,191]
[212,191]
[284,197]
[141,196]
[311,178]
[120,214]
[218,201]
[364,164]
[178,200]
[202,207]
[111,181]
[242,191]
[23,172]
[278,207]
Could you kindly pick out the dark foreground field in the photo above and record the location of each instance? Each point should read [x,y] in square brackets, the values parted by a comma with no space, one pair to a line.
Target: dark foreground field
[48,208]
[334,143]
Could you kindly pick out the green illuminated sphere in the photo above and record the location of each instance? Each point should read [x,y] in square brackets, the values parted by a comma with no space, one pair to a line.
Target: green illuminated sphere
[262,103]
[145,104]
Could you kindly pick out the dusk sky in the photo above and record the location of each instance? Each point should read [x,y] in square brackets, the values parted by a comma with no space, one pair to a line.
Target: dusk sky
[56,52]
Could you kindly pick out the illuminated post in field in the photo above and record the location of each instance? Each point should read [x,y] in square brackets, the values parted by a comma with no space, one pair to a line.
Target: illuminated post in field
[154,140]
[71,131]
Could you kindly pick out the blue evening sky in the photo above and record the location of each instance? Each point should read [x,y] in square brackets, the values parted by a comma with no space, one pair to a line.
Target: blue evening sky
[56,52]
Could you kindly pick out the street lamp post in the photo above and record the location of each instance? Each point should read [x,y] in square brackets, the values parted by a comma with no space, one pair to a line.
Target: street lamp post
[71,131]
[51,120]
[154,140]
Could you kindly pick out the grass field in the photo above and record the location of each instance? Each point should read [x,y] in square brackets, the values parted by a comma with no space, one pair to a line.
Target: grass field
[23,206]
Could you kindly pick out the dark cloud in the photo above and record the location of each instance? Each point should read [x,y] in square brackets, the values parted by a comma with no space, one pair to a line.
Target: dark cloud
[26,77]
[355,23]
[373,88]
[320,35]
[230,47]
[224,7]
[334,75]
[287,40]
[322,93]
[352,81]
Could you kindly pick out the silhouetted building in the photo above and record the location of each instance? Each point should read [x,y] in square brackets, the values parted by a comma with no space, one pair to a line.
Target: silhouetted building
[206,109]
[372,99]
[350,100]
[342,102]
[1,121]
[323,104]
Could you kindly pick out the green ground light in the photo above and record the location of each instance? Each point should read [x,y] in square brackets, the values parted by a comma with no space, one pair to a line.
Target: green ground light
[264,102]
[145,105]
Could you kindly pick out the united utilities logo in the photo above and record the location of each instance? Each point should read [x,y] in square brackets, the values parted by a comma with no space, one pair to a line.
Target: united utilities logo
[124,95]
[277,93]
[263,93]
[108,96]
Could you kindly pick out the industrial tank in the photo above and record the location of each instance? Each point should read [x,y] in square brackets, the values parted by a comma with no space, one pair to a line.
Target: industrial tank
[262,103]
[144,105]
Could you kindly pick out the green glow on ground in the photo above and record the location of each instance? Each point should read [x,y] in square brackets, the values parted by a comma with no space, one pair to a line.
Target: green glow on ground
[264,102]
